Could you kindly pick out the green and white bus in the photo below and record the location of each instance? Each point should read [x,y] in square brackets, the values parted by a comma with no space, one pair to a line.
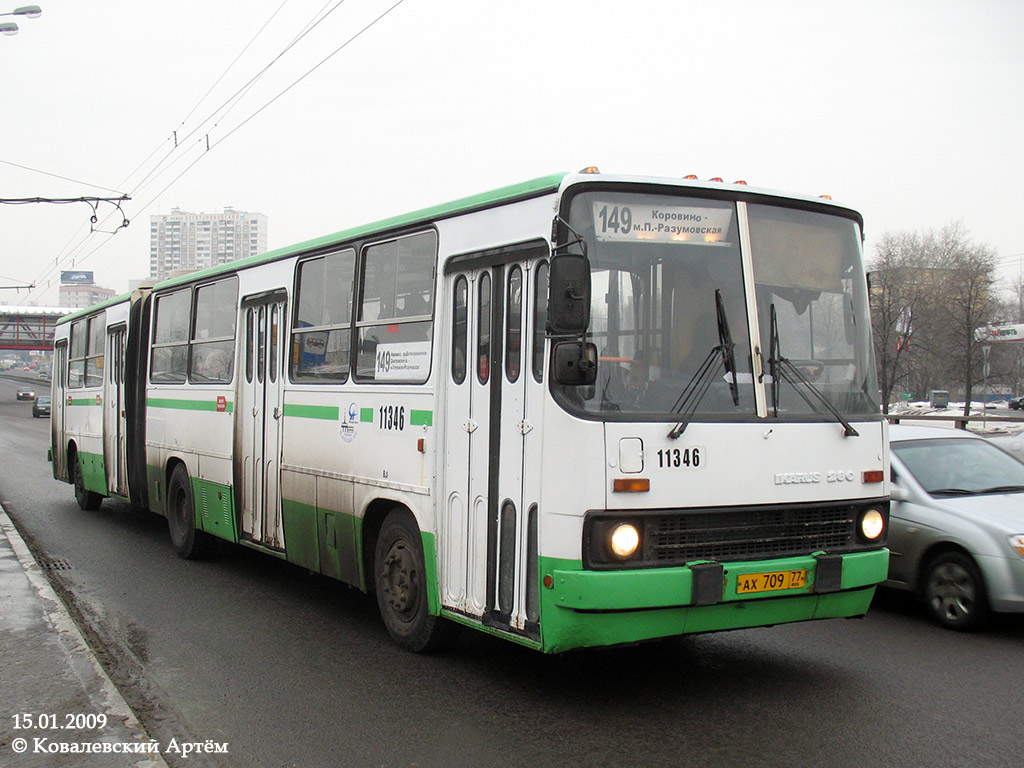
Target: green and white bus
[583,410]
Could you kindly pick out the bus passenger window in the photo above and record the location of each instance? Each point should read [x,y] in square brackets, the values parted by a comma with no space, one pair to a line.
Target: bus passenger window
[396,308]
[322,328]
[213,338]
[169,363]
[76,375]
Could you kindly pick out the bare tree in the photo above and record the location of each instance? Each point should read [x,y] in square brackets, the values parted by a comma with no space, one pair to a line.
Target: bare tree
[930,292]
[896,300]
[968,299]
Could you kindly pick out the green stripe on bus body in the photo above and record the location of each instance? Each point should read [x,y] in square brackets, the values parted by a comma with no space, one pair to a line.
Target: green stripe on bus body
[84,401]
[189,405]
[366,415]
[327,412]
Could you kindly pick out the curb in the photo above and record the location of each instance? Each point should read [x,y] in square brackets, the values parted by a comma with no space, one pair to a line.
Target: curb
[82,660]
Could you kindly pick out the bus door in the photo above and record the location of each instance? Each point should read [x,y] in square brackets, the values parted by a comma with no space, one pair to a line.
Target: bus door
[258,421]
[58,403]
[114,456]
[485,527]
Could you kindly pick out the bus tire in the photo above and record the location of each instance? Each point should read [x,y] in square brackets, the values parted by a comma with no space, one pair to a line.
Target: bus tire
[87,500]
[189,543]
[400,581]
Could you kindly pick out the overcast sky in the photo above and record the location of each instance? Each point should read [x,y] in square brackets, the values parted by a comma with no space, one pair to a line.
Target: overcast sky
[911,112]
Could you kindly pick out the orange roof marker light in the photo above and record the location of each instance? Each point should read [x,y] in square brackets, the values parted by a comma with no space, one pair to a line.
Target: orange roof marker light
[590,169]
[691,177]
[825,197]
[740,181]
[717,178]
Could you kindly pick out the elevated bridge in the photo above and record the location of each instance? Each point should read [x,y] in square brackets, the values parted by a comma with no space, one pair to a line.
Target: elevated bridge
[29,328]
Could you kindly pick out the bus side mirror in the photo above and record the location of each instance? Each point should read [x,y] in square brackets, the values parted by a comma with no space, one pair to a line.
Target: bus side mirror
[575,363]
[569,295]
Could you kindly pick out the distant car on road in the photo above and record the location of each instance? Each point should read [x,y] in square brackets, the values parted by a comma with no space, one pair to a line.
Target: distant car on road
[25,393]
[41,406]
[956,524]
[1016,402]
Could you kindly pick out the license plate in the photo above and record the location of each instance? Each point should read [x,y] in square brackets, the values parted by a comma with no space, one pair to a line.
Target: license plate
[770,582]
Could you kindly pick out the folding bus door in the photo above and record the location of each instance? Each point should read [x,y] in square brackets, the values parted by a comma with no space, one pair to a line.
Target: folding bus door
[486,539]
[58,403]
[258,421]
[114,457]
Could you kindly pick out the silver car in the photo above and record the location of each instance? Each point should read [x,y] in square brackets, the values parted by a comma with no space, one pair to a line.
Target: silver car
[956,524]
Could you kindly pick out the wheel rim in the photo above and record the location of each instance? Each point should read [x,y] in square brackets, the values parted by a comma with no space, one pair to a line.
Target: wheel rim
[952,593]
[400,581]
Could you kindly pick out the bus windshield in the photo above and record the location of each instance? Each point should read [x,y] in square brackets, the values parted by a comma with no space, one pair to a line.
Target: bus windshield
[669,309]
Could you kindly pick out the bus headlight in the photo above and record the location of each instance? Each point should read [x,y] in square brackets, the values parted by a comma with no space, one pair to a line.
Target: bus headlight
[872,524]
[624,540]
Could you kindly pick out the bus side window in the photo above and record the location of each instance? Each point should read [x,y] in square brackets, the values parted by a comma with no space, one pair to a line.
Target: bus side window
[460,329]
[76,376]
[169,363]
[395,323]
[212,359]
[95,361]
[322,328]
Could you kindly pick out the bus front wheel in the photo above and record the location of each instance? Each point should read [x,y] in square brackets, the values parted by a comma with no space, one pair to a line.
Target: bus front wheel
[400,581]
[190,543]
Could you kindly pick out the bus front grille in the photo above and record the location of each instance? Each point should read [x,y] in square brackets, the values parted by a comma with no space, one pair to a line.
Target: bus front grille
[748,534]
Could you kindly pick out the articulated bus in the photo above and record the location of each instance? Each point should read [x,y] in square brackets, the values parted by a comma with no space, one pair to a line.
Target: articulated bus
[583,410]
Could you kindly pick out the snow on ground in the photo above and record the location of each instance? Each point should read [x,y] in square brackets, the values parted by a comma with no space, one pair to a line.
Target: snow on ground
[993,421]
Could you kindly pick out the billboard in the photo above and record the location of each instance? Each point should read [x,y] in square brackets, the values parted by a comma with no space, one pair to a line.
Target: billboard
[76,277]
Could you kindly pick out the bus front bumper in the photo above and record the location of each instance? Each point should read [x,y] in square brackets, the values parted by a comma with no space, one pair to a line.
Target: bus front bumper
[583,608]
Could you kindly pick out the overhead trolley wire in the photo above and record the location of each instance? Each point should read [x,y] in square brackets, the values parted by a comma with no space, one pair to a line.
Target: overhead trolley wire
[229,104]
[64,257]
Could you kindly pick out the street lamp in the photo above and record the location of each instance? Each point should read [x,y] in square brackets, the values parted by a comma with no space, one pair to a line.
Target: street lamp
[28,11]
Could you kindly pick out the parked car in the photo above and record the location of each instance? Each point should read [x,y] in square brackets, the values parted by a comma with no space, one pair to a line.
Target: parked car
[956,524]
[1016,402]
[25,393]
[41,406]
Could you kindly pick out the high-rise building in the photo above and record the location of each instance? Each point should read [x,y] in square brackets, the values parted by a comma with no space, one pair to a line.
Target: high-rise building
[81,295]
[183,242]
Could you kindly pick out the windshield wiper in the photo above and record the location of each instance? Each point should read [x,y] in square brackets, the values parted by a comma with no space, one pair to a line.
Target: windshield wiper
[698,386]
[953,492]
[1004,489]
[782,368]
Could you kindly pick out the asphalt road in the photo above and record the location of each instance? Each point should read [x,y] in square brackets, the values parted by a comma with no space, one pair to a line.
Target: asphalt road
[291,669]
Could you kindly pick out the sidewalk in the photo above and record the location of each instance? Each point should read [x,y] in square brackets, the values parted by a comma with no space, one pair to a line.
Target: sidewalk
[57,705]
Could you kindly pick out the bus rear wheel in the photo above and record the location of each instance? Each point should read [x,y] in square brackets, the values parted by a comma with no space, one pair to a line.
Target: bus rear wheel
[400,581]
[87,500]
[190,543]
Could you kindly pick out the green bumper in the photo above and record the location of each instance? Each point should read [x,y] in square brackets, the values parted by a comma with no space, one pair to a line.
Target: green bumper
[589,608]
